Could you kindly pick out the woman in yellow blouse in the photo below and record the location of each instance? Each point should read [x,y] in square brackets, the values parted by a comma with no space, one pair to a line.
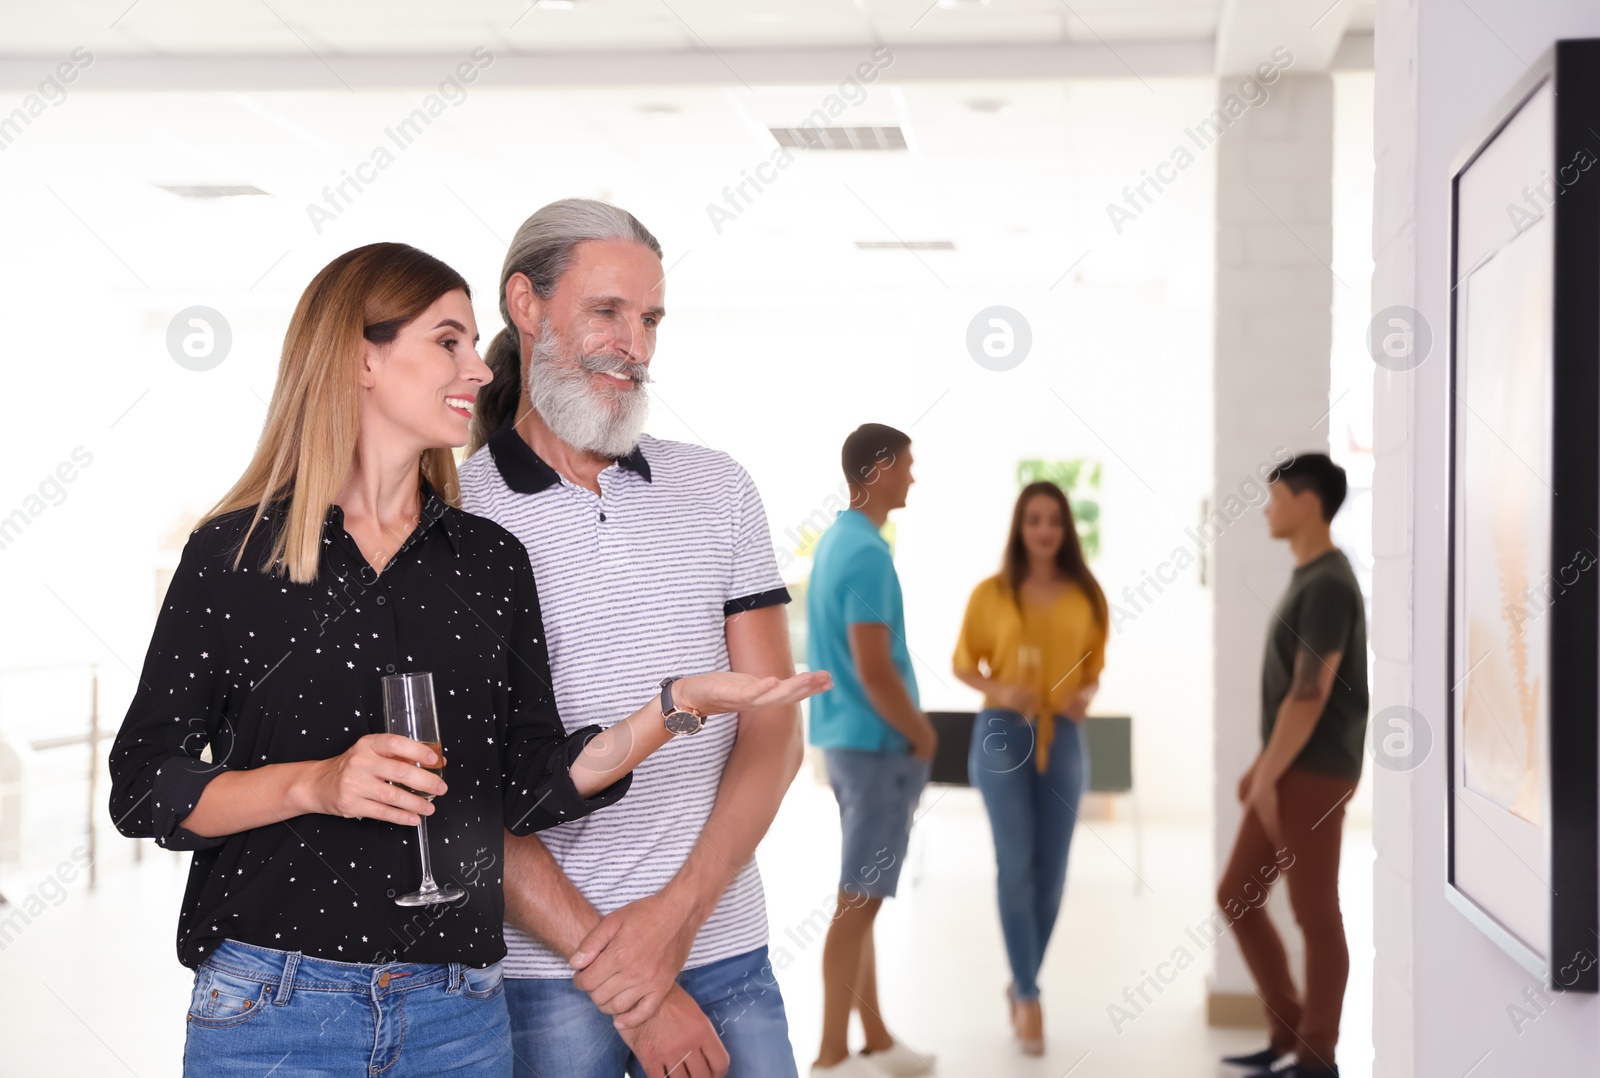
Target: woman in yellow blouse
[1033,642]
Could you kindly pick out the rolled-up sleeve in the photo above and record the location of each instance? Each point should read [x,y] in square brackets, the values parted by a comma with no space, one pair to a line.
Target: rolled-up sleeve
[158,764]
[539,753]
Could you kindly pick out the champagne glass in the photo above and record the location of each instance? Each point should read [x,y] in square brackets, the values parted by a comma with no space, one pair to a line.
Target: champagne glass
[408,711]
[1030,671]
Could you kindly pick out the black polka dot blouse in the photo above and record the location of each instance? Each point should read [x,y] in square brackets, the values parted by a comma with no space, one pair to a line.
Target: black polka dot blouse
[247,668]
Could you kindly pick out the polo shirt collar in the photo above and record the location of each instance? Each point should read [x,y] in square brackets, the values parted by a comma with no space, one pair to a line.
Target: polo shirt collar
[525,472]
[855,518]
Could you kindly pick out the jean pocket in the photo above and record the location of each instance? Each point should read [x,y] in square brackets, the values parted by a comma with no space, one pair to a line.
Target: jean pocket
[226,999]
[485,983]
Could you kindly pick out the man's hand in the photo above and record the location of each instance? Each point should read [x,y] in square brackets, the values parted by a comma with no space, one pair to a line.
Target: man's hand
[1263,801]
[628,961]
[1244,783]
[725,691]
[679,1041]
[924,740]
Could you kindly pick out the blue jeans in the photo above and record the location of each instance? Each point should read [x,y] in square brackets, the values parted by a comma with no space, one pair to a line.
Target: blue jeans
[557,1029]
[1031,815]
[256,1011]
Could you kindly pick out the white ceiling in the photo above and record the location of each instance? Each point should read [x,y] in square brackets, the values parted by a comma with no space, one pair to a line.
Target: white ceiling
[194,27]
[1013,173]
[1016,173]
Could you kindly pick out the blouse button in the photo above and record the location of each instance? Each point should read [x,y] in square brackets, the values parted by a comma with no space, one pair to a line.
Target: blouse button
[381,600]
[389,669]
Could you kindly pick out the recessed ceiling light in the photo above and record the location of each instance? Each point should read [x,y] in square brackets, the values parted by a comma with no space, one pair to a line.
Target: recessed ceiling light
[987,104]
[659,108]
[555,5]
[905,245]
[210,190]
[949,5]
[839,138]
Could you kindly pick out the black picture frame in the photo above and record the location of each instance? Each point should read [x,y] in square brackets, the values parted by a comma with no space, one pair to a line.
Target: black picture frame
[1566,960]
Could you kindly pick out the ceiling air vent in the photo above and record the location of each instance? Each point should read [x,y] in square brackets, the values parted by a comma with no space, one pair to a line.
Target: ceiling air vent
[905,245]
[210,190]
[839,138]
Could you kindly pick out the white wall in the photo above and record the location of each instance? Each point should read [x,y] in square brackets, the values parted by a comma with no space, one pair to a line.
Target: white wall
[1443,990]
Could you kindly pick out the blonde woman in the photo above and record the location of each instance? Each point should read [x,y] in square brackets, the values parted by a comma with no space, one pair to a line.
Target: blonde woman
[1033,642]
[257,740]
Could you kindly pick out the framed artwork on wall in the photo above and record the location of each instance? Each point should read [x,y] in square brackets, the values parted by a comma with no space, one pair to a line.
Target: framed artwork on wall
[1524,511]
[1079,480]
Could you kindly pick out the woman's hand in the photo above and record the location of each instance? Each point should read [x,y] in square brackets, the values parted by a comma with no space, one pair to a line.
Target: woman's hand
[717,694]
[357,784]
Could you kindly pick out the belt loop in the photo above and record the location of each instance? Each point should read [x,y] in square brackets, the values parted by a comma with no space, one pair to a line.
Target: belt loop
[291,966]
[458,977]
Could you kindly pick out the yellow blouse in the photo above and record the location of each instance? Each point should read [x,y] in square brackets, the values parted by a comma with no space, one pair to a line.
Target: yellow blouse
[1069,643]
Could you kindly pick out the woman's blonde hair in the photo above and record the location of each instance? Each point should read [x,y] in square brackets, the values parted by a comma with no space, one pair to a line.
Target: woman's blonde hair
[308,445]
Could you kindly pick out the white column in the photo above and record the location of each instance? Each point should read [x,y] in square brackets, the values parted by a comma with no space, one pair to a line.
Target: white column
[1274,331]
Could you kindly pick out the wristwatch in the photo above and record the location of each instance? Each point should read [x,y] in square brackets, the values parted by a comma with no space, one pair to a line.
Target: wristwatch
[679,721]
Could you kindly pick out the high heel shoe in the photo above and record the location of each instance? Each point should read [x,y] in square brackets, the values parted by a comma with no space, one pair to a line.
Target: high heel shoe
[1027,1020]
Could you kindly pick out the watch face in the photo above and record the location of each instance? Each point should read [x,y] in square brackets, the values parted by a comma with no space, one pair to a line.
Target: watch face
[683,723]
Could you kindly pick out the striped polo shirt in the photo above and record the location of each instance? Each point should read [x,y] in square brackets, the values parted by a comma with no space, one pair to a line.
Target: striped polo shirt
[635,584]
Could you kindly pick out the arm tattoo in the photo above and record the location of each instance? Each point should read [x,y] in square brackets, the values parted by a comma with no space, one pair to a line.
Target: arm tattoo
[1307,683]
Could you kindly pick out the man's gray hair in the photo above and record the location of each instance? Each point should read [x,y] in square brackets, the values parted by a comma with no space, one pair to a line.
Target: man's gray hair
[543,246]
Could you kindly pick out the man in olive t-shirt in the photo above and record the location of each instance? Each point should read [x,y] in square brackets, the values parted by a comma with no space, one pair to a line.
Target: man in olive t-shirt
[1323,614]
[1313,728]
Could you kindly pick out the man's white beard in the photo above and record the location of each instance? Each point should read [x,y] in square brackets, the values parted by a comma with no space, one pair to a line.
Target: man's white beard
[560,390]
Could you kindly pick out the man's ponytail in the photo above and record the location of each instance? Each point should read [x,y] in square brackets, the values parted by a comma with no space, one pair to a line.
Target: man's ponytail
[497,401]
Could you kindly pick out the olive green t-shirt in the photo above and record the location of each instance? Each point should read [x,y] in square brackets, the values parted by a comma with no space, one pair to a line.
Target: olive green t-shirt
[1322,611]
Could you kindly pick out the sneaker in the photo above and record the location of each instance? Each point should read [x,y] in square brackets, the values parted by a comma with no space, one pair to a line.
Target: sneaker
[1299,1070]
[1262,1060]
[900,1061]
[849,1067]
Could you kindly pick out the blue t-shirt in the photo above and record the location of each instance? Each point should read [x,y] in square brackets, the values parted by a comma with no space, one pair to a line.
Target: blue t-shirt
[853,581]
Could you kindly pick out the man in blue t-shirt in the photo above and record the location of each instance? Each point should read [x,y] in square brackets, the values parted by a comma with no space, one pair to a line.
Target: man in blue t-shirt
[876,740]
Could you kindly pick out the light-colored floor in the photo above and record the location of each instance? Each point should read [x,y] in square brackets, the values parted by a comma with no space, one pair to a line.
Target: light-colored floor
[92,987]
[942,966]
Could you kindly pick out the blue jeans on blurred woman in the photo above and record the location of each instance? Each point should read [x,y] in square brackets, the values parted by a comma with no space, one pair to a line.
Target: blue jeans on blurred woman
[1031,814]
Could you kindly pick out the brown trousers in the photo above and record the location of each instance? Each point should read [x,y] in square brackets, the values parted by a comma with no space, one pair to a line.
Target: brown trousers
[1311,818]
